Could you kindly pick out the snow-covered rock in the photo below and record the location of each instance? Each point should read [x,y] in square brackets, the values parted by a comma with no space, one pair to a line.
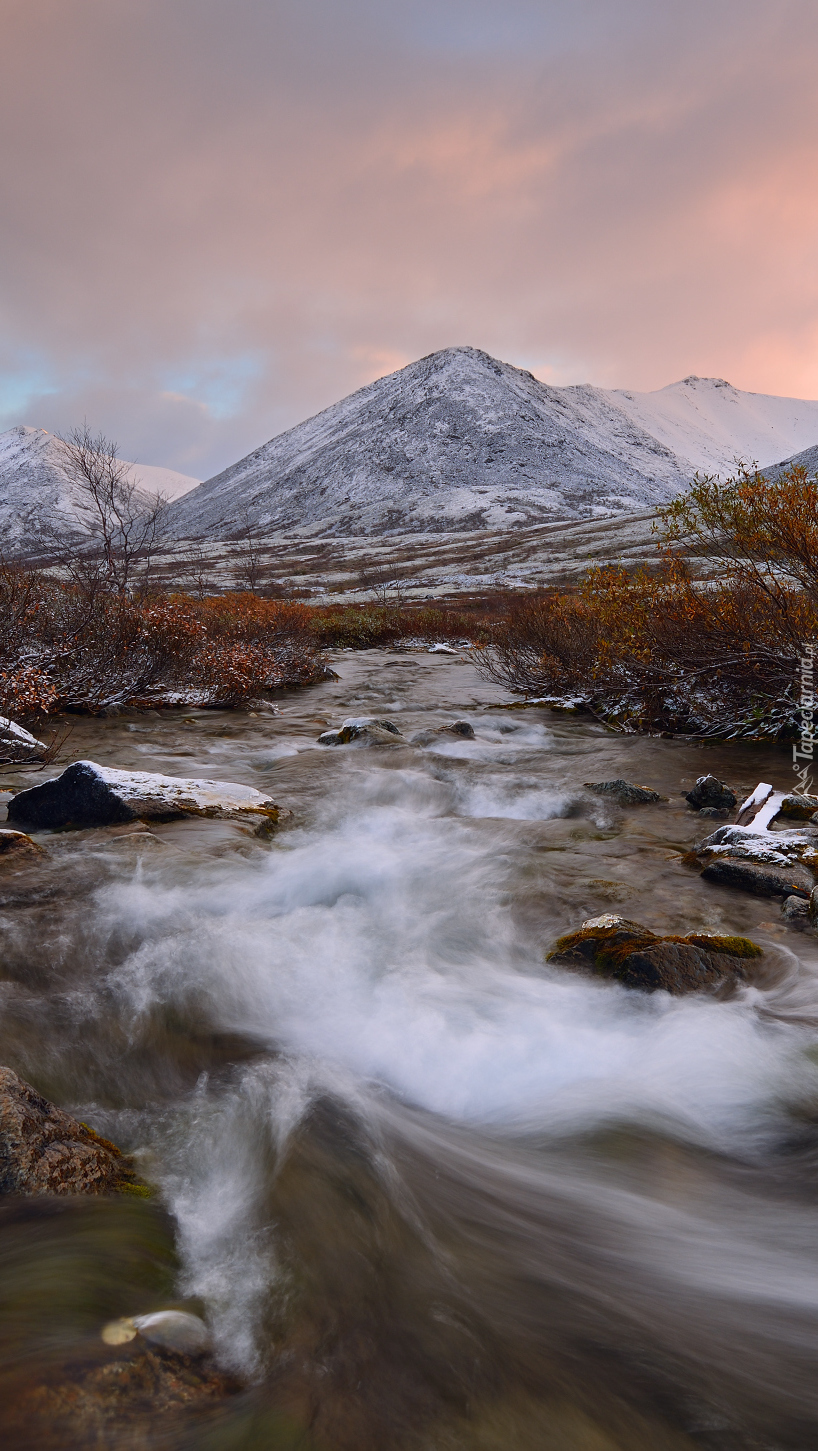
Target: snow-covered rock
[90,795]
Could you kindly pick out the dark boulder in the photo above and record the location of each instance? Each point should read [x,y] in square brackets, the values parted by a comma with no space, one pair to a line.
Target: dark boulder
[631,954]
[624,793]
[710,791]
[761,879]
[457,728]
[45,1151]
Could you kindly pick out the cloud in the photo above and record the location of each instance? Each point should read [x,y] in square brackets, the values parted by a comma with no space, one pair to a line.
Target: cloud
[222,215]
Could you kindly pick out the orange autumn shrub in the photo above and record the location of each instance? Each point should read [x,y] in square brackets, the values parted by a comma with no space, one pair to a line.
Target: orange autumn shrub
[712,653]
[63,648]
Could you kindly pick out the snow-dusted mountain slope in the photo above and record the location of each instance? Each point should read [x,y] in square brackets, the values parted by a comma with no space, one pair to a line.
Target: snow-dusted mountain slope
[712,424]
[37,498]
[807,459]
[456,441]
[460,441]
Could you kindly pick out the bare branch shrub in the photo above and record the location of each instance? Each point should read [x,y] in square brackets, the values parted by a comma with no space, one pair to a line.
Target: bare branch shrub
[125,523]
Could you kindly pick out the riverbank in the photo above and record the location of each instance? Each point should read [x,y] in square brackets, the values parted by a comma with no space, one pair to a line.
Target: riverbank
[428,1188]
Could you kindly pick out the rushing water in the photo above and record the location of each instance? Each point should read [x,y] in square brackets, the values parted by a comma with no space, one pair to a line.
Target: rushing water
[430,1190]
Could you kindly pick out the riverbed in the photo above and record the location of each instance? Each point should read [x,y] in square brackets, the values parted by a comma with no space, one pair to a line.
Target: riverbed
[429,1189]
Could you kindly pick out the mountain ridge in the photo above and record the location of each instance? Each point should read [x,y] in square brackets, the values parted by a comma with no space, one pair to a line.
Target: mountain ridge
[459,440]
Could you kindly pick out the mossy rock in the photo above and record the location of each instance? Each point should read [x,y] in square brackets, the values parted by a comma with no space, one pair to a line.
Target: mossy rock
[43,1150]
[627,952]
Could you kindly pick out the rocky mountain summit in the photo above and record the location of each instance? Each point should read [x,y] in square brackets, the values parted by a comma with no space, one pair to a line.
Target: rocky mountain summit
[456,441]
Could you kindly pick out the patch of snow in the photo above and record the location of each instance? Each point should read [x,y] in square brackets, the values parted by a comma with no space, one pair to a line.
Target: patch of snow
[9,730]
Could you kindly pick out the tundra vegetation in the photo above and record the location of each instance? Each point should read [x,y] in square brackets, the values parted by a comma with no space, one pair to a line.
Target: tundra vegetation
[703,641]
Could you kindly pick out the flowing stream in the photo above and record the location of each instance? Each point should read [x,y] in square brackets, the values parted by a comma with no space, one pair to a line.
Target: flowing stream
[430,1190]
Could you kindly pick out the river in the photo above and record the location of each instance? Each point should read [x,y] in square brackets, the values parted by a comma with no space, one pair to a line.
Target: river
[430,1190]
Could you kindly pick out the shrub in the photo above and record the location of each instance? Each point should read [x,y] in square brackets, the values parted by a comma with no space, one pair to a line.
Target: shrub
[663,650]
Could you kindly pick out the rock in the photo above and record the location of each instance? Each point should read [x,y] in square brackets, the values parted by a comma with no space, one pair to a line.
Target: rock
[442,650]
[365,730]
[90,795]
[714,813]
[625,793]
[629,953]
[16,847]
[141,1396]
[45,1151]
[796,913]
[175,1330]
[801,808]
[457,728]
[710,791]
[169,1329]
[761,879]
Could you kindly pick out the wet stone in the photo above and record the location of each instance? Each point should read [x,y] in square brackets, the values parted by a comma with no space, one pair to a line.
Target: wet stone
[798,807]
[710,791]
[17,847]
[624,793]
[760,879]
[43,1150]
[796,913]
[365,731]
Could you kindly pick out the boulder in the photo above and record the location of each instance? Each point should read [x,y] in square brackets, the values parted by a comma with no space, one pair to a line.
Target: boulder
[796,913]
[17,848]
[759,878]
[710,791]
[457,728]
[714,813]
[90,795]
[18,744]
[629,953]
[45,1151]
[798,807]
[364,730]
[624,793]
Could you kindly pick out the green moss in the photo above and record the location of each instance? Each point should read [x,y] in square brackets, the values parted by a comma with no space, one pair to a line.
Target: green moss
[731,946]
[139,1191]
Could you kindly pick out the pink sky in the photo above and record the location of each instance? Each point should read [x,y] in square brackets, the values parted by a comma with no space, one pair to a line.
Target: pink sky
[219,216]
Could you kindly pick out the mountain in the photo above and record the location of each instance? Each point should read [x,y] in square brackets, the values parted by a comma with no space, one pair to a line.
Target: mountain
[712,424]
[807,459]
[36,497]
[460,441]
